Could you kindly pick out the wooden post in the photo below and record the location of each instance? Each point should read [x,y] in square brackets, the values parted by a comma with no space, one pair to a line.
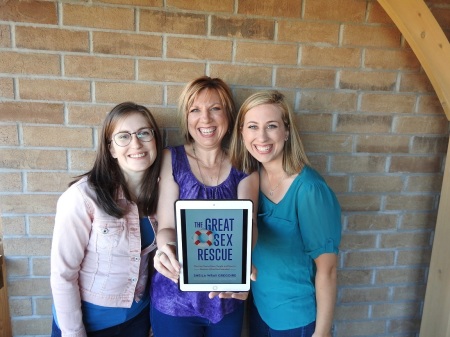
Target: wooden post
[5,319]
[436,311]
[431,47]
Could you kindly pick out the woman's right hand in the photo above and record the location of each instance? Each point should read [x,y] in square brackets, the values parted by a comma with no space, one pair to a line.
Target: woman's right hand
[166,263]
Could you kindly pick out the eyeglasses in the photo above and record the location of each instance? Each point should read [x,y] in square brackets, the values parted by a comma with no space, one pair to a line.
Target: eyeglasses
[124,138]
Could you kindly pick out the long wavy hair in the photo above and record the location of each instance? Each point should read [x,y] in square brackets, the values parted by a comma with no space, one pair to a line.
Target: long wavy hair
[294,156]
[106,176]
[191,91]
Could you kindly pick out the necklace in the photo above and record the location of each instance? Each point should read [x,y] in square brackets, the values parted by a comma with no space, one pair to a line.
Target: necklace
[201,175]
[272,190]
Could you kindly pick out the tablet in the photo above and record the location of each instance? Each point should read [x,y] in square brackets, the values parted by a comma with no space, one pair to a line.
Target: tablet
[214,242]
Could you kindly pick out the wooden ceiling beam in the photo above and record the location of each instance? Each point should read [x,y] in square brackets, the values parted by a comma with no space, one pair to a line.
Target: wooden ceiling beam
[426,38]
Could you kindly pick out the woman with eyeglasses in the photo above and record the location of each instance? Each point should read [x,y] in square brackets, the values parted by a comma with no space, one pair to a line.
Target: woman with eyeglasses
[104,232]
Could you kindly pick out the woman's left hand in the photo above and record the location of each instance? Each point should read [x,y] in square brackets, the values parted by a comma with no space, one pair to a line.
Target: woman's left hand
[229,294]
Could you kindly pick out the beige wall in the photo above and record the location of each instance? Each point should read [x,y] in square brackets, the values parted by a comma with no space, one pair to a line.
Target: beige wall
[371,123]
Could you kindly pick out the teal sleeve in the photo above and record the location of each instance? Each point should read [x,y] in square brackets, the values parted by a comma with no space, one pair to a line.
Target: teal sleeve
[319,216]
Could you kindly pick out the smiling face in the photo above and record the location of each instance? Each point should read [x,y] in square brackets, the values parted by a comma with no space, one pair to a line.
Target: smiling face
[264,133]
[135,158]
[207,120]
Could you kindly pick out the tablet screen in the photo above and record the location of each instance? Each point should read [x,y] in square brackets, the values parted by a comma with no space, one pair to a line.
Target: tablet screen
[214,244]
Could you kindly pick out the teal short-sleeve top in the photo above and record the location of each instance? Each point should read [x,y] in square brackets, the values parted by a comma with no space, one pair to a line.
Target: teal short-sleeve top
[291,234]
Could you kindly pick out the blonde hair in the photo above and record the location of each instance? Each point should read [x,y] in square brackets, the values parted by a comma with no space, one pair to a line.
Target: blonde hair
[294,156]
[191,91]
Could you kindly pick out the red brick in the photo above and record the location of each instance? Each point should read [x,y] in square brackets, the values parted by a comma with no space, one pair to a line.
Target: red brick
[250,52]
[371,36]
[356,123]
[48,181]
[425,183]
[331,56]
[6,88]
[26,159]
[199,49]
[87,114]
[405,240]
[302,31]
[372,222]
[410,202]
[327,143]
[416,83]
[361,328]
[363,163]
[172,23]
[52,39]
[408,293]
[391,59]
[430,105]
[10,182]
[421,124]
[419,220]
[388,103]
[272,8]
[246,28]
[42,12]
[99,67]
[368,259]
[127,44]
[203,5]
[140,3]
[242,74]
[429,145]
[305,78]
[314,122]
[382,144]
[169,71]
[98,17]
[367,80]
[81,160]
[377,14]
[34,112]
[9,135]
[414,257]
[166,117]
[57,136]
[380,184]
[29,64]
[55,90]
[339,10]
[112,92]
[5,36]
[358,241]
[328,101]
[415,164]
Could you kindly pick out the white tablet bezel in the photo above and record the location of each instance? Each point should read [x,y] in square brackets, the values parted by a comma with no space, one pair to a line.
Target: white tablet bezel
[223,205]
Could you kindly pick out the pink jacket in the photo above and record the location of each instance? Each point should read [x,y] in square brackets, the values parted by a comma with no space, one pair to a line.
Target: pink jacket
[95,257]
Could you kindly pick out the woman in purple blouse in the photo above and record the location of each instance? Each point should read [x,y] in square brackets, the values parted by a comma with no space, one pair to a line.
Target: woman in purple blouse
[200,169]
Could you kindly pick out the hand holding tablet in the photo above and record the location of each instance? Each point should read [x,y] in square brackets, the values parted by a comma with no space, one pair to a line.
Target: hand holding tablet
[214,245]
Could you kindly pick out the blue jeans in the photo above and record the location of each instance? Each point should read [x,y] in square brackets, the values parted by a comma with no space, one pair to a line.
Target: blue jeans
[138,326]
[165,325]
[258,328]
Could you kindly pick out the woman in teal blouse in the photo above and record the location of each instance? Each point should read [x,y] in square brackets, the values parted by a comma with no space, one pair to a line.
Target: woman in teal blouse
[299,224]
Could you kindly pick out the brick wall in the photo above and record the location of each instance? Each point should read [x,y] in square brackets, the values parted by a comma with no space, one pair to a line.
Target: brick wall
[370,119]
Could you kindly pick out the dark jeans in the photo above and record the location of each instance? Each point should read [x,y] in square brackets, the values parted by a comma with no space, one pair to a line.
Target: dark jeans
[172,326]
[258,328]
[138,326]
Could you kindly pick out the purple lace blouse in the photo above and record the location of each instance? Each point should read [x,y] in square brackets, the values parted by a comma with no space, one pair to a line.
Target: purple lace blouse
[166,296]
